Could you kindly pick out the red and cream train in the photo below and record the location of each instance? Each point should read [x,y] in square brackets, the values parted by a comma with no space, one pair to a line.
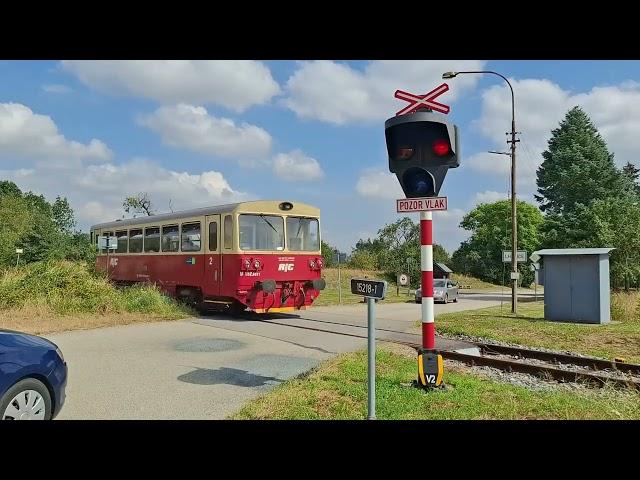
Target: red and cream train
[261,255]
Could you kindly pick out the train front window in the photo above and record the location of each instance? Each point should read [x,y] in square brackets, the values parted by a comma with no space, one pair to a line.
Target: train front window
[303,234]
[261,232]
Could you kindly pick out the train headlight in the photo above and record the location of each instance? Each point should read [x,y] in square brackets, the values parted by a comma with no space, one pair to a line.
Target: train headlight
[246,264]
[319,262]
[312,264]
[257,264]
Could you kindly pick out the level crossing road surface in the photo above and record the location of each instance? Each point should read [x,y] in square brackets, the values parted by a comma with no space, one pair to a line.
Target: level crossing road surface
[208,367]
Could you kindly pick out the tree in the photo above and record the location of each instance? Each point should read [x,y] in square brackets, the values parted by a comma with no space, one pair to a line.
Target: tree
[8,188]
[43,230]
[63,215]
[587,200]
[139,204]
[605,223]
[490,227]
[327,253]
[363,260]
[577,167]
[632,173]
[395,250]
[440,255]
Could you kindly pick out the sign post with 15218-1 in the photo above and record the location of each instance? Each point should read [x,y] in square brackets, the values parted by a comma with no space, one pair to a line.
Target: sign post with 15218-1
[372,290]
[369,288]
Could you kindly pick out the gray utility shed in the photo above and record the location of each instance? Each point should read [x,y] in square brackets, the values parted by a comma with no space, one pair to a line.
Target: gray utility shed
[576,284]
[440,270]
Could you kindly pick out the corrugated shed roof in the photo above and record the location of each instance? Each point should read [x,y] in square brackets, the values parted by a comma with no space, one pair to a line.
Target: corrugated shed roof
[573,251]
[444,268]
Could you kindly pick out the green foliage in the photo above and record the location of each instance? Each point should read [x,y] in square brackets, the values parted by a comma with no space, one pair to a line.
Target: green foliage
[440,255]
[44,231]
[396,243]
[140,204]
[63,215]
[327,254]
[71,288]
[490,227]
[604,223]
[632,173]
[577,167]
[363,260]
[337,390]
[588,201]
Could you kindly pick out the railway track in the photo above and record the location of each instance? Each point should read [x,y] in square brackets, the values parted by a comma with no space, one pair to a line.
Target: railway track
[558,366]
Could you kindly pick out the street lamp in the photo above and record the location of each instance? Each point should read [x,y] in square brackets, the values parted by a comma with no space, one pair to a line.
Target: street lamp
[514,223]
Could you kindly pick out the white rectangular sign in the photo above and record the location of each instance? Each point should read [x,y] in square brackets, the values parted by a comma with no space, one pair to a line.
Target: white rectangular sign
[423,204]
[19,250]
[521,257]
[113,242]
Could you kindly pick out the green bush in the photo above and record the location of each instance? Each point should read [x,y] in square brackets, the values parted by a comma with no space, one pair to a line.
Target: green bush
[70,288]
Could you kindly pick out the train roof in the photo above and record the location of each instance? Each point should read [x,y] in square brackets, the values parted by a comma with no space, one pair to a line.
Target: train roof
[256,206]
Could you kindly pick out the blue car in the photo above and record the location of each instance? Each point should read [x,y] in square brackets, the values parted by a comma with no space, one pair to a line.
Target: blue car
[33,376]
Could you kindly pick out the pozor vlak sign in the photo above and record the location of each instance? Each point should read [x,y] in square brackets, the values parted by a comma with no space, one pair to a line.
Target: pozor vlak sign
[427,204]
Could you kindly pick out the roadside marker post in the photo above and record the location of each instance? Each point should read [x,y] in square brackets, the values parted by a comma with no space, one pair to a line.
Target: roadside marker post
[371,290]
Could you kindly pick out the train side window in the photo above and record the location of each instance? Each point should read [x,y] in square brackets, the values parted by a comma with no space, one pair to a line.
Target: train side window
[91,237]
[135,240]
[152,239]
[191,237]
[213,236]
[228,231]
[122,241]
[107,234]
[170,238]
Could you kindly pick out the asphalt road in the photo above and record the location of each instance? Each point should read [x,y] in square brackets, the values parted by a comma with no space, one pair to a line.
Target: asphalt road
[208,367]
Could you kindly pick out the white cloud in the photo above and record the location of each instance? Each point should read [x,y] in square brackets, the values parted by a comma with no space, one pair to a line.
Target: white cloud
[339,94]
[56,88]
[489,196]
[379,184]
[25,133]
[540,106]
[96,192]
[192,128]
[234,84]
[497,165]
[295,166]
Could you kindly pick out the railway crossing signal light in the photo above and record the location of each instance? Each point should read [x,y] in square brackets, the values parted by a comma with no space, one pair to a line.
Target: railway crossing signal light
[422,147]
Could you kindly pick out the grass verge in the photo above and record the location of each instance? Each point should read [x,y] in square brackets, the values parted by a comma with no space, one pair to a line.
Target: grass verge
[338,390]
[620,338]
[331,296]
[55,296]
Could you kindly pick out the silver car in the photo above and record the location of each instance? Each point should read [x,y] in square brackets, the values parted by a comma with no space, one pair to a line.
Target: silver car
[443,291]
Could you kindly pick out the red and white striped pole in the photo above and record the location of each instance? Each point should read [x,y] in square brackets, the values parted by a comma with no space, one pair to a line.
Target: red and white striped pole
[426,265]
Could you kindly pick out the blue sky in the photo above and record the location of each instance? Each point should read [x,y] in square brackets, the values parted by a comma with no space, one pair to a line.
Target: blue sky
[208,132]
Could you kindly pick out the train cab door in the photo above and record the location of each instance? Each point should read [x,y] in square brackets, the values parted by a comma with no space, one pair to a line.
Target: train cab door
[213,260]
